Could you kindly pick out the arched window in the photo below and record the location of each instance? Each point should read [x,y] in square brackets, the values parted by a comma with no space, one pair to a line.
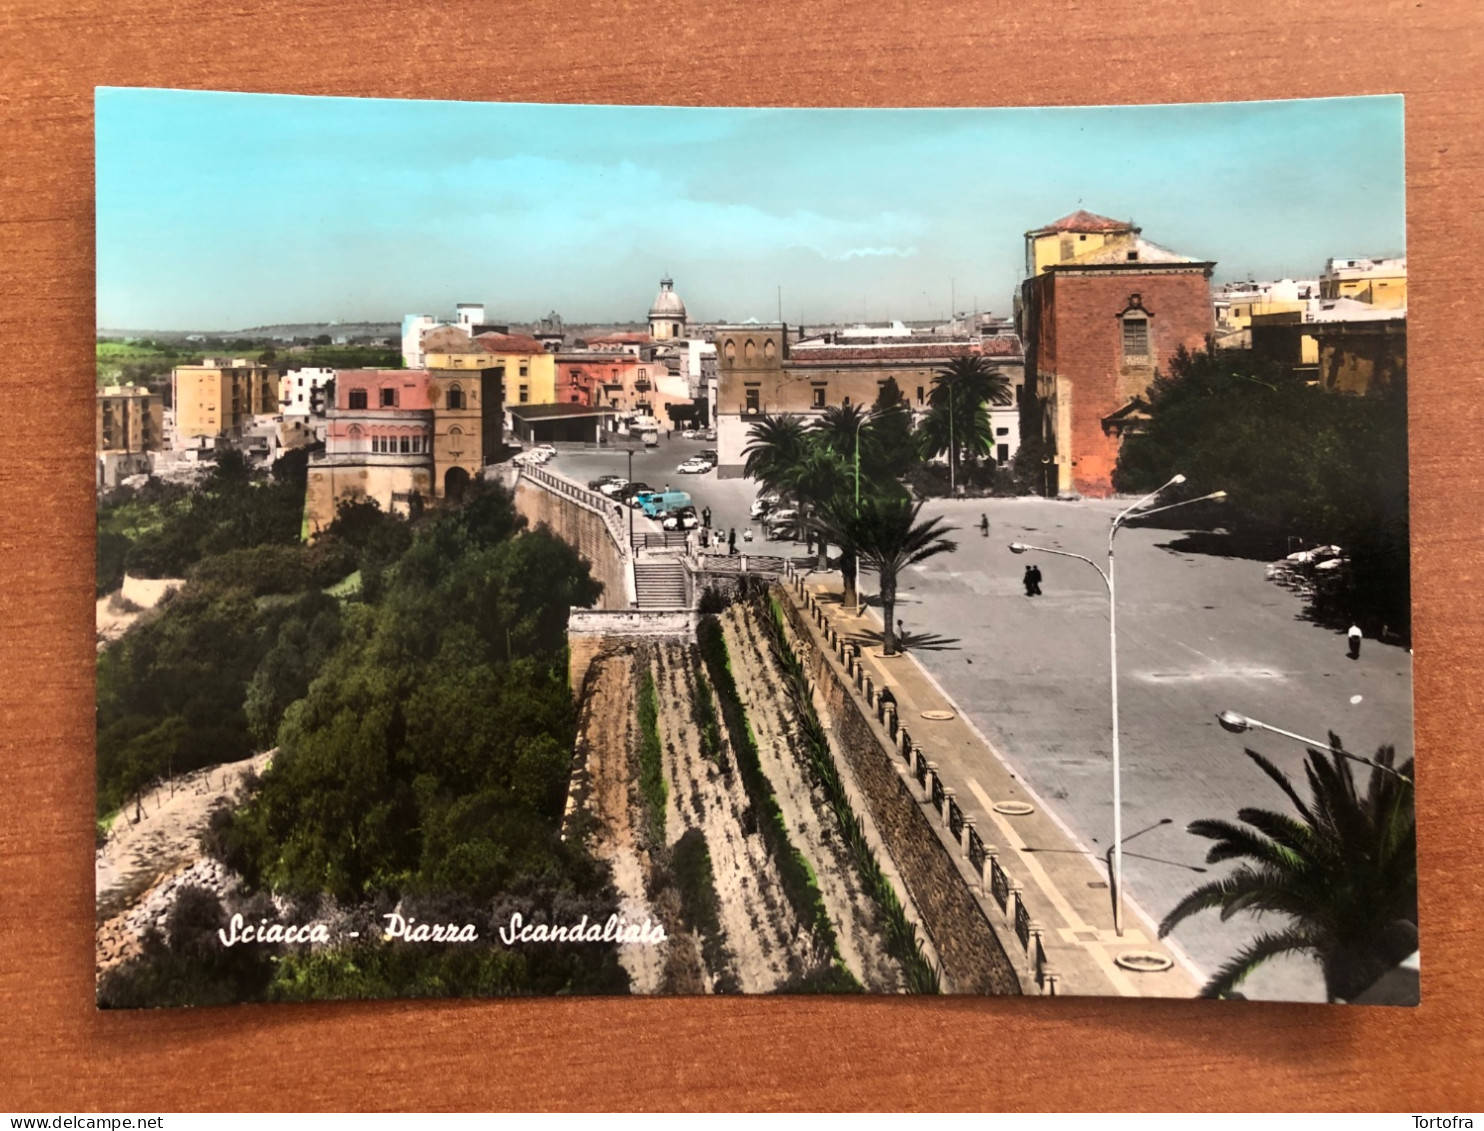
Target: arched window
[768,348]
[455,396]
[731,350]
[455,441]
[749,351]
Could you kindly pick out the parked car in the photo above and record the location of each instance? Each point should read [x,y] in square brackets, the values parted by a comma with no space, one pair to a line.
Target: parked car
[612,489]
[637,500]
[708,453]
[709,434]
[547,448]
[763,504]
[682,519]
[781,523]
[602,481]
[694,466]
[688,434]
[627,492]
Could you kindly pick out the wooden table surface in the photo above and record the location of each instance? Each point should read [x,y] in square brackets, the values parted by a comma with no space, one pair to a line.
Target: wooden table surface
[57,1053]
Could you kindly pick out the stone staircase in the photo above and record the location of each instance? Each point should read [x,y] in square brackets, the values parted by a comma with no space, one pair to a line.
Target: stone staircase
[660,585]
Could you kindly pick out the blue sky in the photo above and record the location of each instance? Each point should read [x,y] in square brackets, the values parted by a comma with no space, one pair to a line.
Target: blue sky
[224,211]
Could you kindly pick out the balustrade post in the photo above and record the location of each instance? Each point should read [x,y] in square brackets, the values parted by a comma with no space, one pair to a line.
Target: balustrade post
[932,773]
[1034,949]
[889,717]
[969,831]
[947,803]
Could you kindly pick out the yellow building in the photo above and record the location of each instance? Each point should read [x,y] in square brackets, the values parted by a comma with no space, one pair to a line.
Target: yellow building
[527,371]
[1069,238]
[129,419]
[218,398]
[1379,282]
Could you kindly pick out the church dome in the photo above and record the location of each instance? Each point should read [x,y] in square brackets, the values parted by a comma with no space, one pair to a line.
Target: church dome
[667,303]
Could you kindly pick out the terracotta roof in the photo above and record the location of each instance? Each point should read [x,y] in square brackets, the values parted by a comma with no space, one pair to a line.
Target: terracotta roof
[1083,221]
[1002,345]
[509,343]
[942,351]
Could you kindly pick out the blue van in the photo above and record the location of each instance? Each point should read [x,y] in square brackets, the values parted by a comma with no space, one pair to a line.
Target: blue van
[662,502]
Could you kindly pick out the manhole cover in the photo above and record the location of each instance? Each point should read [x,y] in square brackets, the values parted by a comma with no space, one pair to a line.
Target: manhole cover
[1143,961]
[938,716]
[1014,808]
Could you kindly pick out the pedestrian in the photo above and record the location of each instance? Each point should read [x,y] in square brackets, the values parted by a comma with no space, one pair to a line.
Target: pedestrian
[706,517]
[732,540]
[1354,637]
[984,525]
[901,634]
[1032,581]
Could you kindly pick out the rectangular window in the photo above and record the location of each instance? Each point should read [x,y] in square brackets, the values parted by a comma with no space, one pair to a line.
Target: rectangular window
[1136,338]
[1002,431]
[919,394]
[752,400]
[406,444]
[358,398]
[525,394]
[525,370]
[389,398]
[1002,454]
[819,396]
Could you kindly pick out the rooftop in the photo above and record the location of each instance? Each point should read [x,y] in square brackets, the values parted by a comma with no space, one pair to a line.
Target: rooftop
[1084,221]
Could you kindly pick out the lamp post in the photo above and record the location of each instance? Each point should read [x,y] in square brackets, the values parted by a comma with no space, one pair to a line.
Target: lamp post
[859,604]
[1108,580]
[1237,724]
[631,509]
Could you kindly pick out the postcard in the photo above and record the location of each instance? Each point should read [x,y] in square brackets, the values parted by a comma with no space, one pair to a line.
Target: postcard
[641,550]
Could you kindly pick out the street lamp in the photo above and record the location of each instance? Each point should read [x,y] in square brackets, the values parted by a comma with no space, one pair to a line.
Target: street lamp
[1238,724]
[1107,576]
[631,509]
[859,604]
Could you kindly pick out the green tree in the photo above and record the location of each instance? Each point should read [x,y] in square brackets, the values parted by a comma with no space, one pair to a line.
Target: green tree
[775,445]
[1343,874]
[890,429]
[1295,460]
[888,537]
[958,422]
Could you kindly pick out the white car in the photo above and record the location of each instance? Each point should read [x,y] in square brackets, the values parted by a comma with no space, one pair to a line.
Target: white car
[762,505]
[547,448]
[688,434]
[614,487]
[695,466]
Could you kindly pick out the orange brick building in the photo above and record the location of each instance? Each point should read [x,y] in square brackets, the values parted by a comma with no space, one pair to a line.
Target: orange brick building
[1104,310]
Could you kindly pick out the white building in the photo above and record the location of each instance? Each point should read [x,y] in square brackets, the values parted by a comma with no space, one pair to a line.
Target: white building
[413,328]
[297,388]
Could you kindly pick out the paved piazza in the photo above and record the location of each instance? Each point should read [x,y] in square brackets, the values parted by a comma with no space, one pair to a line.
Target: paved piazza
[1197,635]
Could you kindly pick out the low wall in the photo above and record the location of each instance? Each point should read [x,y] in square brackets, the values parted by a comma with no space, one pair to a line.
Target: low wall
[573,514]
[597,632]
[971,953]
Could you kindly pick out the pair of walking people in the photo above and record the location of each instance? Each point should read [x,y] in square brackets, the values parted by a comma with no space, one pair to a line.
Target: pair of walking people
[1032,581]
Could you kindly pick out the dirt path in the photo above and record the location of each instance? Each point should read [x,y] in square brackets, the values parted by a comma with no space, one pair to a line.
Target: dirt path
[764,944]
[811,822]
[166,834]
[607,731]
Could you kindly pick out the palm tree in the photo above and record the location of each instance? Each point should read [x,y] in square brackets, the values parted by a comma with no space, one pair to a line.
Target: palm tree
[957,421]
[775,445]
[887,536]
[815,481]
[1344,875]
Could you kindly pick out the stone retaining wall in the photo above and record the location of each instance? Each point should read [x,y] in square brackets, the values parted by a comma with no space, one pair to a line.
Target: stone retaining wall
[584,528]
[973,959]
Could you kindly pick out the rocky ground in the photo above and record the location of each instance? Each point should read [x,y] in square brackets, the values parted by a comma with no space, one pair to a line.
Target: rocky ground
[811,823]
[153,850]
